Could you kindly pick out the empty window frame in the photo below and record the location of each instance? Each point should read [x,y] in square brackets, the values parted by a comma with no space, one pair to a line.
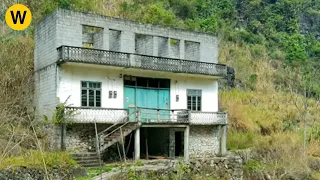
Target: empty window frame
[92,36]
[194,99]
[90,94]
[114,40]
[192,50]
[144,44]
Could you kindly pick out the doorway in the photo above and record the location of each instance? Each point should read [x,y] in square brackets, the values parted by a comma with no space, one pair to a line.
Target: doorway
[179,143]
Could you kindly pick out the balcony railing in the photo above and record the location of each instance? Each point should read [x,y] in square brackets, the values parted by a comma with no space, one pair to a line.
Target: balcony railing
[145,115]
[98,115]
[208,118]
[131,60]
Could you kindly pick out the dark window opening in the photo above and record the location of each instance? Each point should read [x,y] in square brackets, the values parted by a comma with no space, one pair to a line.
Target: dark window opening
[153,83]
[90,94]
[146,82]
[142,82]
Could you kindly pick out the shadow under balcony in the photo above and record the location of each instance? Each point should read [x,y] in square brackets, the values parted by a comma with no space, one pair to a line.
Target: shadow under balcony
[138,61]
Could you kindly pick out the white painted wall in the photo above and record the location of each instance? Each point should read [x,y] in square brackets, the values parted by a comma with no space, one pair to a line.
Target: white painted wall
[70,77]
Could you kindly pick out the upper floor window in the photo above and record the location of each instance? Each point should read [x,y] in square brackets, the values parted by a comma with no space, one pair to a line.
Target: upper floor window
[90,94]
[114,40]
[192,50]
[194,99]
[92,37]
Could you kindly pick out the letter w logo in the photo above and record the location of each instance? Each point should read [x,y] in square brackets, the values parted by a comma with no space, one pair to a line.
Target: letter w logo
[18,16]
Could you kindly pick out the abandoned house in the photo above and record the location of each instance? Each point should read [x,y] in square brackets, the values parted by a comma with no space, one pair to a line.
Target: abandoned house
[153,89]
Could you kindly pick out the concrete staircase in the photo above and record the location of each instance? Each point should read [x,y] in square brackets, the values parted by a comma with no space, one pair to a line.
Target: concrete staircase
[108,137]
[112,136]
[87,159]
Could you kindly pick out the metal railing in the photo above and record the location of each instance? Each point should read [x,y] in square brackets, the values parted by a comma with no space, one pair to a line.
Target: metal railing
[131,60]
[154,115]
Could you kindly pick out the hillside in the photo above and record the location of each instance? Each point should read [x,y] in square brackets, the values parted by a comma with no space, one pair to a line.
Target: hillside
[273,45]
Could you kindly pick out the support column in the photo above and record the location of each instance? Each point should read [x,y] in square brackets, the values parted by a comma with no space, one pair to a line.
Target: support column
[137,144]
[186,143]
[223,140]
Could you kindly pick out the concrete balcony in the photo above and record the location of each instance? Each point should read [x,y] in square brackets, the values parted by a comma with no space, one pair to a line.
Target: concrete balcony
[145,116]
[96,115]
[138,61]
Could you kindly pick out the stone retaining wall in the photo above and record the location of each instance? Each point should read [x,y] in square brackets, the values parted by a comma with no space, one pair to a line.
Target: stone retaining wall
[204,141]
[23,173]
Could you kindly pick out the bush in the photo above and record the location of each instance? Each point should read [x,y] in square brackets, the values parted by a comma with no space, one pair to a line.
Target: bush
[241,140]
[35,159]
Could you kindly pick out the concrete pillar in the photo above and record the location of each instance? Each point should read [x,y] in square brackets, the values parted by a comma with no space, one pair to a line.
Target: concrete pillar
[223,140]
[186,143]
[172,143]
[137,144]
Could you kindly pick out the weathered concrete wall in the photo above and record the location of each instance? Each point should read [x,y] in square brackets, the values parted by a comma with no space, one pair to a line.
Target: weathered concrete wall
[67,30]
[46,42]
[46,99]
[204,141]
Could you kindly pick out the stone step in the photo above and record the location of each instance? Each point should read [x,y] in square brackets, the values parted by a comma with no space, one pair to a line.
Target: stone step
[86,159]
[84,154]
[91,164]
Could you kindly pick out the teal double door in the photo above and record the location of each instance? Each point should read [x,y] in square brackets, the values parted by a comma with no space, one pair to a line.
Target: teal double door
[148,99]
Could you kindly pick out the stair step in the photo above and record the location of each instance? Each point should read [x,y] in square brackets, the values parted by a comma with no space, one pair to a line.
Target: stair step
[86,154]
[88,161]
[85,158]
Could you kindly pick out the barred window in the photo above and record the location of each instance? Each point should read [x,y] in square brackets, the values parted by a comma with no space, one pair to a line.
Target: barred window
[194,99]
[90,94]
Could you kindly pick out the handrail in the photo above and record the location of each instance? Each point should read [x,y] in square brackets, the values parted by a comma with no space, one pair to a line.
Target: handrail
[117,123]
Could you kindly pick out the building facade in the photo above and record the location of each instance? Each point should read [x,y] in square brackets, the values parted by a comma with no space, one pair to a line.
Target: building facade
[122,78]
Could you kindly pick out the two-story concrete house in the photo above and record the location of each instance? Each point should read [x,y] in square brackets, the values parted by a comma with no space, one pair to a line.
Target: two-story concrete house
[156,84]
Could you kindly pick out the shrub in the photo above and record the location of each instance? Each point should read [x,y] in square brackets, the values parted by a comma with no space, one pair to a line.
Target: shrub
[36,159]
[241,140]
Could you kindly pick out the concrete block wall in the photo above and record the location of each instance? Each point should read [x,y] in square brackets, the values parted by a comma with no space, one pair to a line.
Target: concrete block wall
[144,44]
[192,50]
[45,42]
[163,49]
[114,40]
[69,31]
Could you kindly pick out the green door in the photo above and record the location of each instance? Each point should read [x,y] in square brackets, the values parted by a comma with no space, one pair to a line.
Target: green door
[148,100]
[164,103]
[130,101]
